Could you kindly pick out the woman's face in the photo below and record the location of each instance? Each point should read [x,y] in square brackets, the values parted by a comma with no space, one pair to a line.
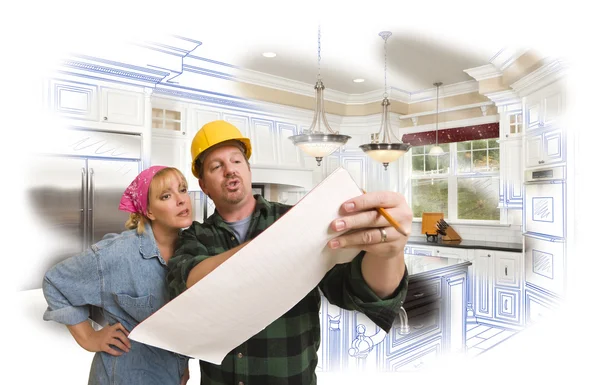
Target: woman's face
[169,204]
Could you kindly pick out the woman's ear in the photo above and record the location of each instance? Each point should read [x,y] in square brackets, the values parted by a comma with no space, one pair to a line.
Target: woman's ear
[150,215]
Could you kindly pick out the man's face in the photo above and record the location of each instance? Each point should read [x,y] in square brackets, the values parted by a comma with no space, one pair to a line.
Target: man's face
[227,177]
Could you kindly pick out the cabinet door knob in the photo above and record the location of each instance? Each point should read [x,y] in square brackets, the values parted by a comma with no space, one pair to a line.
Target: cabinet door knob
[489,256]
[506,270]
[105,118]
[541,162]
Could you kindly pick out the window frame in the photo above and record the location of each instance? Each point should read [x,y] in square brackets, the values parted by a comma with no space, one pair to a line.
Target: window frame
[452,177]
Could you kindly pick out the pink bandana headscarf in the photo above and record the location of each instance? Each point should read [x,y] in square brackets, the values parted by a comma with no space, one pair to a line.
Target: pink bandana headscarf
[135,197]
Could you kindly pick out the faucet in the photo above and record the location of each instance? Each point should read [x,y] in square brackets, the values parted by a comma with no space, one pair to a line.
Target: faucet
[404,326]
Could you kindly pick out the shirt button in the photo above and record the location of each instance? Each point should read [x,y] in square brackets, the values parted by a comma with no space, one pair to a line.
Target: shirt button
[233,238]
[240,355]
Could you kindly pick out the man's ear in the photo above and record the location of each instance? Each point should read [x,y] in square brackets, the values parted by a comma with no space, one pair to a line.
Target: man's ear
[202,186]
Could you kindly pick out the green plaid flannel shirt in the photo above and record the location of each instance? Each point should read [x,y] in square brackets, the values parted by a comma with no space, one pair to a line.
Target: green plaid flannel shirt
[285,352]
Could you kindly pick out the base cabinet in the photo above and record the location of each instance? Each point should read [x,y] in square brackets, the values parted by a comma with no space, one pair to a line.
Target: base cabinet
[431,323]
[538,305]
[497,288]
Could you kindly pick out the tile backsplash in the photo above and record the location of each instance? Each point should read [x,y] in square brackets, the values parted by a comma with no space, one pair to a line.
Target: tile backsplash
[502,233]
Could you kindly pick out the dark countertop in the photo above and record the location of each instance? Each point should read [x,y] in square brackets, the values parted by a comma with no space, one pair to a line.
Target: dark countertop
[467,244]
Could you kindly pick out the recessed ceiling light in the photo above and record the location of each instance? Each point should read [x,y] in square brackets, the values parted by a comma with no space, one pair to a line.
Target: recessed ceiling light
[358,80]
[269,54]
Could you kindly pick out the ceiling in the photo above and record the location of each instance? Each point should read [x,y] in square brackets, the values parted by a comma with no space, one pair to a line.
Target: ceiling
[415,60]
[430,42]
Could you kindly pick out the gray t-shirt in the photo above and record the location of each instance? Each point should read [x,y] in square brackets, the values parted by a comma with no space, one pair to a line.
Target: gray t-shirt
[240,228]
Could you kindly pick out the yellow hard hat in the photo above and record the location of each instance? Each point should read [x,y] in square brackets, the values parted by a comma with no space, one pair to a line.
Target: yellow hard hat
[213,133]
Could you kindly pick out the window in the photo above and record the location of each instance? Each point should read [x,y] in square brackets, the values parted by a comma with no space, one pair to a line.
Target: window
[515,122]
[463,183]
[166,119]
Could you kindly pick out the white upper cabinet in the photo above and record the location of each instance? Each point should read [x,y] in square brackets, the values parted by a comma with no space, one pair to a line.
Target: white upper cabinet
[122,107]
[544,148]
[544,108]
[97,106]
[73,99]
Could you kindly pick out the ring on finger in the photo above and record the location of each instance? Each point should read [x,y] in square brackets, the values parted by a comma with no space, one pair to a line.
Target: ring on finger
[383,235]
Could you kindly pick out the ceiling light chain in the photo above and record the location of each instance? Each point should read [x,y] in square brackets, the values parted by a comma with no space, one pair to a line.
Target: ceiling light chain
[319,54]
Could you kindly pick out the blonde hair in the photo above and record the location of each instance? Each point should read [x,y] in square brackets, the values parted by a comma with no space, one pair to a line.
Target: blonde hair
[160,180]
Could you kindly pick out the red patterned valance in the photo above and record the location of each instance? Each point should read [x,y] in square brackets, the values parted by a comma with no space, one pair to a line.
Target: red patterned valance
[450,135]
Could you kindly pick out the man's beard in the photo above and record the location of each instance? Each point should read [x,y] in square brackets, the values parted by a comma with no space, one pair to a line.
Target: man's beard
[236,197]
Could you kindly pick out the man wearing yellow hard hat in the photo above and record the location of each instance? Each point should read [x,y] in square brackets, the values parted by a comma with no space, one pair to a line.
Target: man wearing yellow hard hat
[375,282]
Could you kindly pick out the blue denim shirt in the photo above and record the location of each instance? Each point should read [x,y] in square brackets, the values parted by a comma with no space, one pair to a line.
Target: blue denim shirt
[125,276]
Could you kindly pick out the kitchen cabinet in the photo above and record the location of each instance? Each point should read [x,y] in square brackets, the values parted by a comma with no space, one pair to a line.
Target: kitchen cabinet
[544,108]
[122,107]
[101,107]
[78,100]
[538,305]
[171,151]
[498,283]
[262,133]
[483,267]
[511,173]
[544,148]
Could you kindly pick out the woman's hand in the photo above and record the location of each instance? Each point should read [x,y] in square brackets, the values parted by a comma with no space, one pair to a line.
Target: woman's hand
[103,340]
[185,377]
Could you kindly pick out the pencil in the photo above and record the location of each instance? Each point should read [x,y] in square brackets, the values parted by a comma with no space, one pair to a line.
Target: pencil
[391,220]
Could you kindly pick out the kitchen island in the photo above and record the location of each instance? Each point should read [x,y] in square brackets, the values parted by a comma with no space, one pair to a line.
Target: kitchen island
[431,324]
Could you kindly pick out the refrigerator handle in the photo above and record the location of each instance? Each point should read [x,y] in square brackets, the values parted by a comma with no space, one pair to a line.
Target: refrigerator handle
[91,206]
[83,207]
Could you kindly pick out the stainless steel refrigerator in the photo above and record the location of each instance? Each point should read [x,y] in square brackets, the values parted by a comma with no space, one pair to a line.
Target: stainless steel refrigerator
[73,189]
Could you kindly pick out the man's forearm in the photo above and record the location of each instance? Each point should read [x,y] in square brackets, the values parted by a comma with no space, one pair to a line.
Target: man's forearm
[205,267]
[383,275]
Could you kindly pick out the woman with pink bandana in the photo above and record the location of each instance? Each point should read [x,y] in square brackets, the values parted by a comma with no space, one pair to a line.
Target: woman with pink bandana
[124,275]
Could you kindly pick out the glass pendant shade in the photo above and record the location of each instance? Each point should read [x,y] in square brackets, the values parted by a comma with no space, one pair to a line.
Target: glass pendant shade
[436,151]
[314,142]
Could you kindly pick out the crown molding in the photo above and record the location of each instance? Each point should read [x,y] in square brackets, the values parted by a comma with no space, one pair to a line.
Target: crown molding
[505,97]
[549,72]
[461,88]
[458,108]
[507,56]
[483,72]
[394,94]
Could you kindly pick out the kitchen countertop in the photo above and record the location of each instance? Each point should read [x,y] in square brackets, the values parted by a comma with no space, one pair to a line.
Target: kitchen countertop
[467,244]
[420,265]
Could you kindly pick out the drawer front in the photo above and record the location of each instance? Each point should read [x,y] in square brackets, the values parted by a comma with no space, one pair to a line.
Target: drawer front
[507,271]
[417,358]
[423,292]
[423,322]
[537,307]
[424,251]
[508,305]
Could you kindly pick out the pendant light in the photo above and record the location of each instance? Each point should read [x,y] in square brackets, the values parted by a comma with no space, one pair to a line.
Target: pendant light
[314,142]
[437,150]
[385,151]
